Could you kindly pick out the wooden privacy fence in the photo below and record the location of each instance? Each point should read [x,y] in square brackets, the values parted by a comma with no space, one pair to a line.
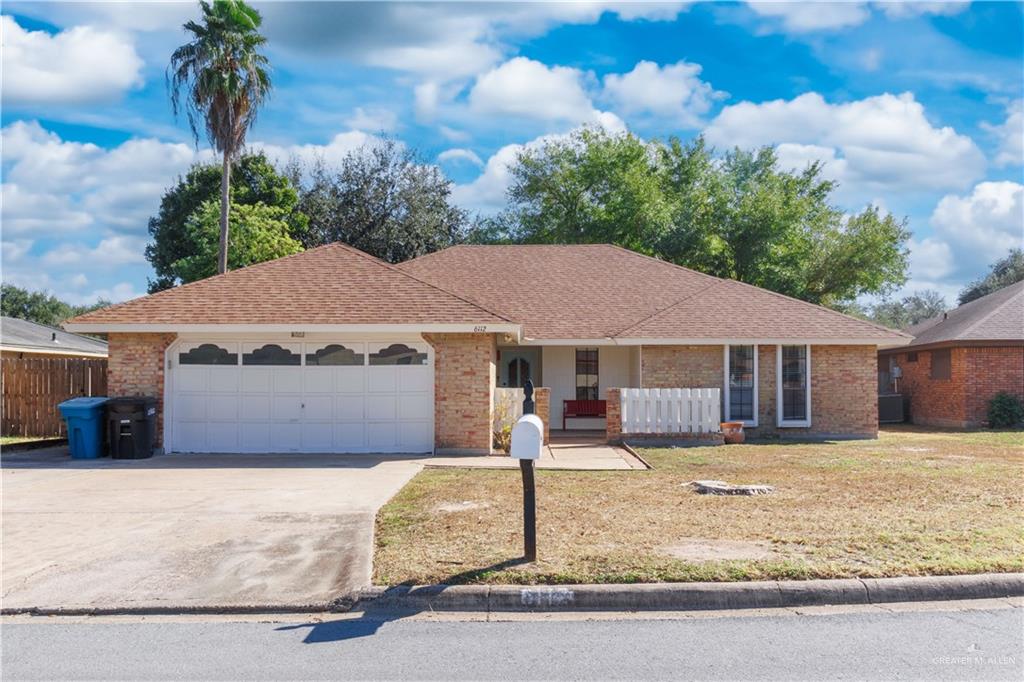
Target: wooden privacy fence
[671,410]
[32,388]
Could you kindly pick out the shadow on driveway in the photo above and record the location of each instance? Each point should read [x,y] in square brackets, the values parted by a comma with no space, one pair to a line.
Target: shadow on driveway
[375,617]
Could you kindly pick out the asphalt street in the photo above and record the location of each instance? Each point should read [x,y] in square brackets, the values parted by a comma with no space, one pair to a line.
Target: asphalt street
[923,642]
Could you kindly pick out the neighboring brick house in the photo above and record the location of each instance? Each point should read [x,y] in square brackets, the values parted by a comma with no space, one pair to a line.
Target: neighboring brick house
[333,350]
[959,360]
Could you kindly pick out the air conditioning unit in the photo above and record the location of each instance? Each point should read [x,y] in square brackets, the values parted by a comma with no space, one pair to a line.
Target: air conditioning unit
[890,409]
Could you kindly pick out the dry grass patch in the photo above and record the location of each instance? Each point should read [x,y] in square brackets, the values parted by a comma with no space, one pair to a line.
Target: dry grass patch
[910,503]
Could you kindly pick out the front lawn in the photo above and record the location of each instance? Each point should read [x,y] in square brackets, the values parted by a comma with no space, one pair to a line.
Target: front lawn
[913,502]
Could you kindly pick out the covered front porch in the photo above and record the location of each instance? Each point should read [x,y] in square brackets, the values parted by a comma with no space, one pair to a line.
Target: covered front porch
[610,393]
[570,373]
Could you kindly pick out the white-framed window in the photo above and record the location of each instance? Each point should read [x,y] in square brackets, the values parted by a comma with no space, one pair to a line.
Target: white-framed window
[793,385]
[586,374]
[741,384]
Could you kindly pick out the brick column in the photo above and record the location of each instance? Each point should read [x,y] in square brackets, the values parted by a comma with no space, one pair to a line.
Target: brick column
[464,378]
[135,366]
[542,400]
[613,421]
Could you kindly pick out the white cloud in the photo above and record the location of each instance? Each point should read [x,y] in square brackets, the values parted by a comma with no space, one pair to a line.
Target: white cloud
[1010,135]
[332,152]
[53,186]
[487,192]
[930,259]
[84,209]
[883,143]
[672,91]
[460,154]
[453,134]
[806,17]
[78,281]
[117,250]
[800,17]
[440,41]
[80,64]
[904,9]
[77,295]
[983,225]
[530,89]
[26,212]
[372,120]
[15,249]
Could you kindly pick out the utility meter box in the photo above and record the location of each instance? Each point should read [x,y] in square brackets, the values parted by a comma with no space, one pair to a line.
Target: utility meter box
[527,437]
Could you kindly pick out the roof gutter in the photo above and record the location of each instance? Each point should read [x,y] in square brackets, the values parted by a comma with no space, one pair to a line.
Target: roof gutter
[128,327]
[54,351]
[735,341]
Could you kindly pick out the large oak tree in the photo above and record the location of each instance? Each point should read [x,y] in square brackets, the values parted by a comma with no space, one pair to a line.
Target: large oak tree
[739,215]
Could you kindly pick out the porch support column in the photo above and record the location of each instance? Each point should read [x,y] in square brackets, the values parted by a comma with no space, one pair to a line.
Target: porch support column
[613,418]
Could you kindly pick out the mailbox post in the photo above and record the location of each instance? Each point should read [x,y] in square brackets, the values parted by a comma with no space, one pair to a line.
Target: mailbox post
[527,441]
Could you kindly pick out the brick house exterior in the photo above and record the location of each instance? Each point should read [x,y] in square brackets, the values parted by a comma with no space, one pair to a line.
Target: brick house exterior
[977,374]
[332,350]
[842,384]
[960,360]
[464,384]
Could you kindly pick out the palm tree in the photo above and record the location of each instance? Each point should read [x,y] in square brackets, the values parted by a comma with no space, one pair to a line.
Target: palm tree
[220,78]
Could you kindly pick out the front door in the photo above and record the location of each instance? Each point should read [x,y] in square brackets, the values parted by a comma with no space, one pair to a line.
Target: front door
[516,366]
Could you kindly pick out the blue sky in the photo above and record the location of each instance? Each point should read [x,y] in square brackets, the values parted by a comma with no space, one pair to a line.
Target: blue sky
[915,107]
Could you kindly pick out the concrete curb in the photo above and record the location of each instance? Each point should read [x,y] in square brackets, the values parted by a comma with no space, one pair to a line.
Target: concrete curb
[631,597]
[691,596]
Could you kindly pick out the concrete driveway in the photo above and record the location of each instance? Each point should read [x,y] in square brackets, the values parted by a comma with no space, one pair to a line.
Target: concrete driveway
[191,530]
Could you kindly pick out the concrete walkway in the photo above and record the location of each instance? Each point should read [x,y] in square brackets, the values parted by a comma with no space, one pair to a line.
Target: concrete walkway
[191,531]
[568,451]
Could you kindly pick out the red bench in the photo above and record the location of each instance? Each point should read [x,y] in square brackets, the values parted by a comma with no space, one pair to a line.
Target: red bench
[583,408]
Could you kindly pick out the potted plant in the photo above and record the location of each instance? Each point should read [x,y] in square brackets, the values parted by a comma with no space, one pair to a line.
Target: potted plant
[733,432]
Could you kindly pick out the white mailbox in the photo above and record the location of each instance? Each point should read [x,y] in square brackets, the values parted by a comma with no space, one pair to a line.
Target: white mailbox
[527,437]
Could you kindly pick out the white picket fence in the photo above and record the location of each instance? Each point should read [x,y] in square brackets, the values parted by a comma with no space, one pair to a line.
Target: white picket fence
[671,410]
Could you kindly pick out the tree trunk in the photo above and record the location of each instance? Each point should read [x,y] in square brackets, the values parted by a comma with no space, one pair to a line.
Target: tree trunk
[225,198]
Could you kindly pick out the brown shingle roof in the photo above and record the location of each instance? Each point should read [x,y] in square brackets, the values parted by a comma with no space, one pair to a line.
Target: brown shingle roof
[998,316]
[602,291]
[333,284]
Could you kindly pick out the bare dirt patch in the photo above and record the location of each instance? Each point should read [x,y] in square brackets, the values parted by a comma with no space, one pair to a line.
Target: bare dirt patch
[710,549]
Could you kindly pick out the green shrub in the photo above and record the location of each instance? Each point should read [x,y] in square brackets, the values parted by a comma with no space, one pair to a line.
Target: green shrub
[1004,411]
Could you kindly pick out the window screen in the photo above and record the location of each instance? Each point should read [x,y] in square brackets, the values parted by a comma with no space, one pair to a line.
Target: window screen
[941,364]
[741,382]
[586,374]
[794,383]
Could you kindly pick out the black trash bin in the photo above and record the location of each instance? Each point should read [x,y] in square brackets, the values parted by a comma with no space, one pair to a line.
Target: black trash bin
[131,427]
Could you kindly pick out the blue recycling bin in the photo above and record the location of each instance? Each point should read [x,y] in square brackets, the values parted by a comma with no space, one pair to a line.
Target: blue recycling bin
[85,426]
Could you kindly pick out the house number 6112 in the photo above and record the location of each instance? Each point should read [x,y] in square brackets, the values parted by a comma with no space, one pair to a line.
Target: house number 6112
[479,329]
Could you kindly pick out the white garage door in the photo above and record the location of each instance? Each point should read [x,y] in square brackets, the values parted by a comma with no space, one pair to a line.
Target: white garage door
[326,396]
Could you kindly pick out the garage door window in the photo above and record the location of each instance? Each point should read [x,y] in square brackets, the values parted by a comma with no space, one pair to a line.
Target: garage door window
[271,354]
[335,354]
[208,354]
[398,354]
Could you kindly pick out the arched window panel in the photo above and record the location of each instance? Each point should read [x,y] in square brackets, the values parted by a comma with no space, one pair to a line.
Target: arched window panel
[398,354]
[335,354]
[208,354]
[271,354]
